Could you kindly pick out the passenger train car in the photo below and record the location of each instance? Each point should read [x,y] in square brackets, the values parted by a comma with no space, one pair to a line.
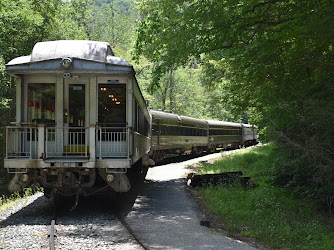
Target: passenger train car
[82,124]
[177,134]
[81,121]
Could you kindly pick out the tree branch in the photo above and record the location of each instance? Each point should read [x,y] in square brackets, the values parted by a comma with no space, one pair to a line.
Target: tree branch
[262,4]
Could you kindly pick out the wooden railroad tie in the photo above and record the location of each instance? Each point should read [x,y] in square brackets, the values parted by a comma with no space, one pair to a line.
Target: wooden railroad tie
[215,179]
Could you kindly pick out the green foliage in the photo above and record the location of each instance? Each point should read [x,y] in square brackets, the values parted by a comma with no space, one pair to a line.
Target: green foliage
[257,163]
[8,201]
[19,24]
[183,92]
[273,60]
[66,24]
[269,214]
[114,22]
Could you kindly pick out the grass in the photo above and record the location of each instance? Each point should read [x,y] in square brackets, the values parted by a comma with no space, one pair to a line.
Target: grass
[9,201]
[266,213]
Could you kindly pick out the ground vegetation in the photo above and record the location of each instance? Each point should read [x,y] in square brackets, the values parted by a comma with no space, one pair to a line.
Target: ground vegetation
[271,215]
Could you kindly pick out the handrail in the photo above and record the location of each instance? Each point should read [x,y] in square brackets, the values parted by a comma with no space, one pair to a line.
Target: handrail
[67,142]
[21,142]
[111,143]
[61,142]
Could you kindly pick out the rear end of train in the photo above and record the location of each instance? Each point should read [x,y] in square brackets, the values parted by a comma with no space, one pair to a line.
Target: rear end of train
[82,124]
[249,135]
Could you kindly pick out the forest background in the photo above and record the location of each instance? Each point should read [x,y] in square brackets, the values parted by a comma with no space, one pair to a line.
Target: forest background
[269,62]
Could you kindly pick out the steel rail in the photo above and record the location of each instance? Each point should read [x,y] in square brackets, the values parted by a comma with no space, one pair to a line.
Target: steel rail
[130,230]
[52,230]
[52,235]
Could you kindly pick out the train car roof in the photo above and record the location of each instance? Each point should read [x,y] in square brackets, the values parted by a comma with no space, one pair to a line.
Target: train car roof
[218,124]
[246,125]
[174,119]
[165,118]
[193,122]
[86,55]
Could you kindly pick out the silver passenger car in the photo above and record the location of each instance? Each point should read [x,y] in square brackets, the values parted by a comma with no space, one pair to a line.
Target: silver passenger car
[249,135]
[176,134]
[81,120]
[224,134]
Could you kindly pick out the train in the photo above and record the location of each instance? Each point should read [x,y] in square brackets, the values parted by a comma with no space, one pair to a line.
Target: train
[83,126]
[177,134]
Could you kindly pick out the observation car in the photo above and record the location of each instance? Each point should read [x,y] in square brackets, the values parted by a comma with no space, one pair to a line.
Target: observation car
[82,124]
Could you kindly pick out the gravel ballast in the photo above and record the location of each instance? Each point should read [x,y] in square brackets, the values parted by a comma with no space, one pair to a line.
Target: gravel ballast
[24,225]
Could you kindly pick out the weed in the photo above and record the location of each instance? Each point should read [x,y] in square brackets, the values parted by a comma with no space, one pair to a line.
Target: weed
[8,201]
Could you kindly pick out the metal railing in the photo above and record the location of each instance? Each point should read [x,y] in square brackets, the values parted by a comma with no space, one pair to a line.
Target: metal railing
[21,142]
[66,142]
[112,142]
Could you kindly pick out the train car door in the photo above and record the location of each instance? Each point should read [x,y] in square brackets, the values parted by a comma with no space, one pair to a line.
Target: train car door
[75,117]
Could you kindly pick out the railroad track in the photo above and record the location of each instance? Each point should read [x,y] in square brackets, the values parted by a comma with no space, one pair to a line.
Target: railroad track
[130,230]
[52,230]
[52,235]
[96,227]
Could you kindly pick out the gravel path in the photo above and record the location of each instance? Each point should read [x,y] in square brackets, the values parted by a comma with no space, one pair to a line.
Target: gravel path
[165,216]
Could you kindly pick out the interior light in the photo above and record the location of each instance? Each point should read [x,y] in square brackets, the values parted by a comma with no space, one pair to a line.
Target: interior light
[118,103]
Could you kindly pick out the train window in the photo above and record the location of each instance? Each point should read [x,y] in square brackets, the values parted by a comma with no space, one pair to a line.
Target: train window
[112,104]
[154,129]
[171,130]
[41,102]
[77,105]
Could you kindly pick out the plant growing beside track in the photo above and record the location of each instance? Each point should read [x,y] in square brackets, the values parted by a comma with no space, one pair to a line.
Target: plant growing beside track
[267,213]
[8,201]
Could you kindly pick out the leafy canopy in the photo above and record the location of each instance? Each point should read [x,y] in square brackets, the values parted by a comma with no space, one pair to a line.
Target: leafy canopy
[277,57]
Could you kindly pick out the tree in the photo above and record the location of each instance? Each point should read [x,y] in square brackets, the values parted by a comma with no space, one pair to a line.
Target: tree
[113,21]
[271,57]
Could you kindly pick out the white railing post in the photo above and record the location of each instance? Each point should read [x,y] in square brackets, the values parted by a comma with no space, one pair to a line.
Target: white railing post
[92,142]
[41,141]
[7,140]
[100,131]
[127,139]
[30,143]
